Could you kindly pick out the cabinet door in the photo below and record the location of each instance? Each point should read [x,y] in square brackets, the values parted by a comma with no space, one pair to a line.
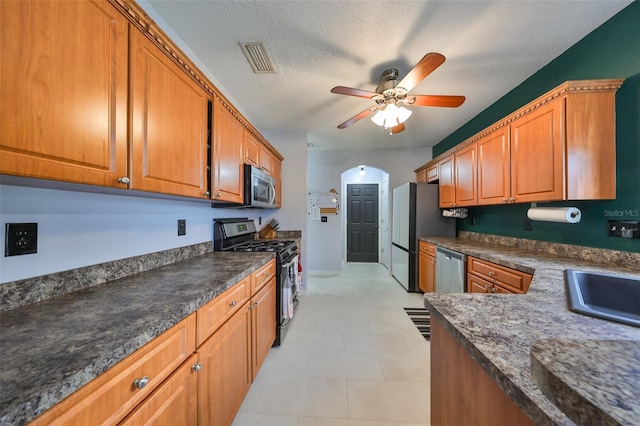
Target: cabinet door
[277,176]
[421,176]
[263,324]
[225,376]
[494,168]
[251,149]
[169,124]
[63,87]
[175,402]
[427,272]
[537,163]
[446,188]
[465,176]
[227,156]
[266,159]
[432,173]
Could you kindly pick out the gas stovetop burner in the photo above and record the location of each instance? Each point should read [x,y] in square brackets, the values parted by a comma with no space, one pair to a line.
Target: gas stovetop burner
[258,245]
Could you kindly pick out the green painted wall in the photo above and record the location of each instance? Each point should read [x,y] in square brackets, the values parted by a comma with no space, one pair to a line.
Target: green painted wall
[610,51]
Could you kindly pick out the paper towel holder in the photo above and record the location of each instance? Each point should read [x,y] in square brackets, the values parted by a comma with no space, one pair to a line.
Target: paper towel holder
[554,214]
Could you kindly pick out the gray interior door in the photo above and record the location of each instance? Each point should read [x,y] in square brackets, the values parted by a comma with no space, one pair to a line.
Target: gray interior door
[362,222]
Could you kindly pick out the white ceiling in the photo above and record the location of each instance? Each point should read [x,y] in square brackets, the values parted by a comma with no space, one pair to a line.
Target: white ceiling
[490,46]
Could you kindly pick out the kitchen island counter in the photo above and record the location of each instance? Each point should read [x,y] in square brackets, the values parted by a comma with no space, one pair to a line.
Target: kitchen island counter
[498,330]
[52,348]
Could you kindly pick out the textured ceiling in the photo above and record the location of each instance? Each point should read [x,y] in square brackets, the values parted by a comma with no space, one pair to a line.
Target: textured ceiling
[490,46]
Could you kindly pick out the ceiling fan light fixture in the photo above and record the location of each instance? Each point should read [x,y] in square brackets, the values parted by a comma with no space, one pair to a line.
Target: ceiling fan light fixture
[391,116]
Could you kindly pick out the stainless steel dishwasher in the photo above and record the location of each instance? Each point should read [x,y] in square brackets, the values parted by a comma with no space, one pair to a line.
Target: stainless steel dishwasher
[450,271]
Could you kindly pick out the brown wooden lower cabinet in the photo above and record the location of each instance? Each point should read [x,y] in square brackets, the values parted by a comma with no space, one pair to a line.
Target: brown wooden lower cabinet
[263,325]
[175,402]
[487,277]
[462,393]
[183,384]
[427,267]
[225,376]
[112,395]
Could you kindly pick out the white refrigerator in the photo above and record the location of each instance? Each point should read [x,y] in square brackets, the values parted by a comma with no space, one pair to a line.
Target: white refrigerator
[415,214]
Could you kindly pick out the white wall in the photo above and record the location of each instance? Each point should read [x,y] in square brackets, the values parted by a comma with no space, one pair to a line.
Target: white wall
[78,229]
[324,170]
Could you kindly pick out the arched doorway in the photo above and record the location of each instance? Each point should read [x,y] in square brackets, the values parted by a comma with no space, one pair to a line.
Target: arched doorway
[365,216]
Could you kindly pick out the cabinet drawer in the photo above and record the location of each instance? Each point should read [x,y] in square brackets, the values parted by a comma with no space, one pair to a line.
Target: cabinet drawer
[262,276]
[476,284]
[212,315]
[112,395]
[511,279]
[427,248]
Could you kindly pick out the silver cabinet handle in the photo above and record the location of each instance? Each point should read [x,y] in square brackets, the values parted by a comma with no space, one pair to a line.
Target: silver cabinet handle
[232,304]
[124,180]
[218,194]
[504,200]
[512,200]
[207,193]
[141,383]
[196,367]
[495,290]
[491,273]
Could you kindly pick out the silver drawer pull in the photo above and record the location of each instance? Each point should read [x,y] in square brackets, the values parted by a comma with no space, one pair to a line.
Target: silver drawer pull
[232,304]
[141,383]
[196,367]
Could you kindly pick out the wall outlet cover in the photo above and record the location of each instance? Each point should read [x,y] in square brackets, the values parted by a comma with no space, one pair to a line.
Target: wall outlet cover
[20,238]
[182,227]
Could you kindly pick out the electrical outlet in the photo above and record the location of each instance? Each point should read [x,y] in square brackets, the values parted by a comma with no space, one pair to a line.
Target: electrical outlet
[624,228]
[527,224]
[182,227]
[20,238]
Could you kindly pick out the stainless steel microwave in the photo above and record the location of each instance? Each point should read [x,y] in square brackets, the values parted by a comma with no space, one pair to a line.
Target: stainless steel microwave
[259,188]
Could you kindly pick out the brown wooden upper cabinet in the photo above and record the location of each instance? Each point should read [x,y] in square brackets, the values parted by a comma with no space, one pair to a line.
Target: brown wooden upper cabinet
[560,146]
[227,172]
[252,150]
[130,112]
[457,174]
[563,149]
[64,108]
[522,162]
[169,124]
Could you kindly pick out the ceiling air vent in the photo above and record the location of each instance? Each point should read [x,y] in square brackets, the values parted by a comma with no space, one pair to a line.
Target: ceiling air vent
[258,57]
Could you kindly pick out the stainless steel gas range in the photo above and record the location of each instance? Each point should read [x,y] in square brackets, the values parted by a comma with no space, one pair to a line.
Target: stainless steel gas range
[237,234]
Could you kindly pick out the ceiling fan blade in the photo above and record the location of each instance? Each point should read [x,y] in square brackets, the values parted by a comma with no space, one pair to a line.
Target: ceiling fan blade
[435,100]
[427,64]
[341,90]
[357,117]
[397,129]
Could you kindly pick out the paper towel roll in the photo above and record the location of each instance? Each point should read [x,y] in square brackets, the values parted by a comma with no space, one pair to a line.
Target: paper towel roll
[555,214]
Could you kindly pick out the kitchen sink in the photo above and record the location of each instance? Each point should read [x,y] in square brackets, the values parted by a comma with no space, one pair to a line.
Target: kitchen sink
[608,297]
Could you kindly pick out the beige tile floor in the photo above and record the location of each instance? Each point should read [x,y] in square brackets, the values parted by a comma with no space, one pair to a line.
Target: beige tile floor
[351,358]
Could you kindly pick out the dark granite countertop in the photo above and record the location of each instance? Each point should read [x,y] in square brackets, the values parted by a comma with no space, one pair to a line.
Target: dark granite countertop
[52,348]
[590,379]
[498,330]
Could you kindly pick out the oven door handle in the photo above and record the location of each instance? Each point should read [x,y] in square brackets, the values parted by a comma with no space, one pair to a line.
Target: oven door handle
[289,264]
